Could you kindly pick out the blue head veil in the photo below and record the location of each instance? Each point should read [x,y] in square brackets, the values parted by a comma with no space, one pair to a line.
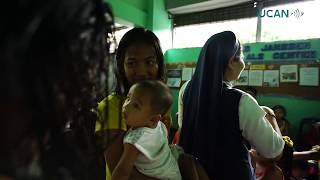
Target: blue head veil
[202,98]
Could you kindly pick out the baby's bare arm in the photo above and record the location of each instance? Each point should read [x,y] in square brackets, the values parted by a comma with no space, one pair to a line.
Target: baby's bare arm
[270,116]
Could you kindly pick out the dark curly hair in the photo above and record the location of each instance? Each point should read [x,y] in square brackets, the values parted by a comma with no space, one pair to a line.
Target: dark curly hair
[53,59]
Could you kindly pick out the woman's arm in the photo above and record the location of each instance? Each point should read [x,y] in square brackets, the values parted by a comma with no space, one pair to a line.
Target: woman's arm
[126,164]
[114,152]
[110,129]
[111,134]
[258,131]
[114,142]
[306,155]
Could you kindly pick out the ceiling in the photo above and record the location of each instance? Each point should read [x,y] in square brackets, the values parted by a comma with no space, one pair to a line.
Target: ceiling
[198,6]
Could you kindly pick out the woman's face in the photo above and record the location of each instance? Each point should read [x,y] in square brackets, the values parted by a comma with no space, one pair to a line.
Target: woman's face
[279,113]
[234,69]
[140,63]
[239,66]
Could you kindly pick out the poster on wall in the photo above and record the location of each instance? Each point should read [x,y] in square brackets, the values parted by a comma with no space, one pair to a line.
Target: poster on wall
[174,73]
[289,73]
[271,78]
[243,79]
[309,76]
[257,66]
[255,77]
[186,74]
[174,82]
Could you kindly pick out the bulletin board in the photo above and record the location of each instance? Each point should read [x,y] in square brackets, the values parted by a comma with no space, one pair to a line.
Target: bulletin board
[294,88]
[297,63]
[172,68]
[283,88]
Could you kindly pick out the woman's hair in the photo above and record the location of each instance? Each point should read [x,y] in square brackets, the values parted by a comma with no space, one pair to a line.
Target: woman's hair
[203,94]
[282,108]
[133,37]
[54,56]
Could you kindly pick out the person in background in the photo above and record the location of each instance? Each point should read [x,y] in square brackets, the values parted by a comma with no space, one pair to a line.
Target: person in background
[138,57]
[53,56]
[287,167]
[283,123]
[145,143]
[216,117]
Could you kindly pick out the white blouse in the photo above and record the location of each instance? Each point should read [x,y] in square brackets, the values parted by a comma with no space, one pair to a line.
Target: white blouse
[155,158]
[255,128]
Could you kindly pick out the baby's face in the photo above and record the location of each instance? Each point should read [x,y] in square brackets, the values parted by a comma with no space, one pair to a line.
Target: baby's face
[136,109]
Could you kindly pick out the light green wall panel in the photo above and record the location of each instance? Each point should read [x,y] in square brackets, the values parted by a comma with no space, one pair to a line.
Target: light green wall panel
[282,51]
[140,4]
[182,55]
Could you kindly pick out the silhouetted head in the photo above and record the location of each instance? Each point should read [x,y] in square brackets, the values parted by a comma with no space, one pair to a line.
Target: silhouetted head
[53,60]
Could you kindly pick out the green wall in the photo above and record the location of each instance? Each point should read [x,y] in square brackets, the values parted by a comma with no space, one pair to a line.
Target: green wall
[297,108]
[134,12]
[160,23]
[150,14]
[182,55]
[140,4]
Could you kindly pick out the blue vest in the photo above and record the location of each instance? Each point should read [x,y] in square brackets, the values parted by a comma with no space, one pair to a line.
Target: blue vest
[233,159]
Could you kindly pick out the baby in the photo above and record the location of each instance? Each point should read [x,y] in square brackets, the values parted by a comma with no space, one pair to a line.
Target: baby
[146,144]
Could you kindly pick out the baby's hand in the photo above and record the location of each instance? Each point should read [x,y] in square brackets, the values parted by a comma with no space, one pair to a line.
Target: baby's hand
[268,110]
[316,148]
[270,116]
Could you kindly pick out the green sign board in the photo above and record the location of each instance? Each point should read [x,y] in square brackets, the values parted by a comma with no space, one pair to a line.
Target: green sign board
[283,51]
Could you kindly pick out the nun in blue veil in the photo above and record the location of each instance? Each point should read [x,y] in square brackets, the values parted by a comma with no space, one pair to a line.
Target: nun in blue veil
[213,118]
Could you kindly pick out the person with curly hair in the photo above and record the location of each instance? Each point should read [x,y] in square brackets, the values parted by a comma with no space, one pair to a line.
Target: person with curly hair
[53,59]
